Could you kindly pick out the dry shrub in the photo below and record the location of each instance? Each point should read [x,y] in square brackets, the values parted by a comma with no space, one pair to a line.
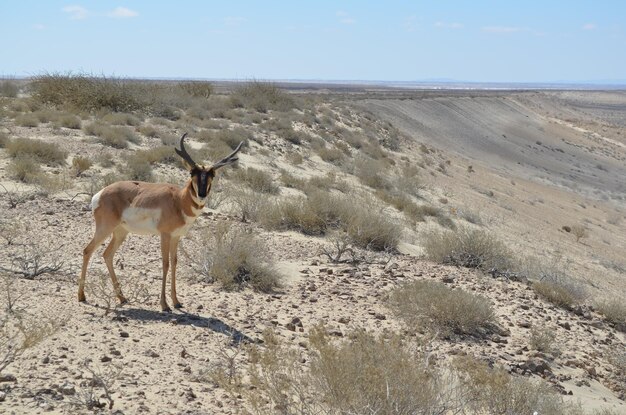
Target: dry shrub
[561,292]
[43,152]
[494,391]
[161,154]
[81,164]
[579,232]
[543,340]
[257,180]
[121,118]
[295,158]
[614,311]
[4,139]
[149,131]
[26,169]
[70,121]
[364,374]
[370,228]
[116,137]
[105,159]
[9,89]
[431,305]
[236,259]
[262,96]
[85,92]
[330,154]
[231,138]
[27,120]
[617,359]
[248,204]
[197,89]
[372,173]
[469,248]
[289,180]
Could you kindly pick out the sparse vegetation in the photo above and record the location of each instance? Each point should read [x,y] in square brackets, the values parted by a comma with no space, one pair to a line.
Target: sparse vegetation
[579,232]
[257,180]
[262,97]
[236,260]
[614,311]
[432,306]
[116,137]
[560,292]
[543,339]
[70,121]
[81,164]
[9,89]
[43,152]
[471,249]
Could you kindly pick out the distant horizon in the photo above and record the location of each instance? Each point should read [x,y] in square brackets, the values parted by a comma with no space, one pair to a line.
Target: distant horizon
[613,83]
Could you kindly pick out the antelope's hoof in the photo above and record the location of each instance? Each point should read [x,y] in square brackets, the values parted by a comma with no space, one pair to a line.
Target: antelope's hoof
[178,305]
[122,300]
[166,308]
[81,298]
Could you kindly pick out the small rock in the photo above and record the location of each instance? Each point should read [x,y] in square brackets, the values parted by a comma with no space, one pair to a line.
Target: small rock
[536,365]
[343,320]
[105,359]
[8,378]
[379,316]
[3,396]
[67,389]
[592,371]
[45,360]
[565,325]
[123,334]
[152,353]
[448,279]
[523,323]
[290,326]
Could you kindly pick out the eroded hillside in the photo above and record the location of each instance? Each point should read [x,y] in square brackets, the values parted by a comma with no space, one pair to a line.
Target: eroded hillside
[341,214]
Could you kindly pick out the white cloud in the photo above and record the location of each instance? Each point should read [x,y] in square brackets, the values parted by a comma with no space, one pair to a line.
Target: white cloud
[444,25]
[234,21]
[122,13]
[502,29]
[589,26]
[410,23]
[76,12]
[345,18]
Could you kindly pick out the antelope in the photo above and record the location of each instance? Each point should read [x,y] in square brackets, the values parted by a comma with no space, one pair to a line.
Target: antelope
[154,209]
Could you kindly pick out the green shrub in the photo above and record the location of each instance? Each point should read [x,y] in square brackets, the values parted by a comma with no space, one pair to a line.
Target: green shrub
[469,248]
[43,152]
[434,306]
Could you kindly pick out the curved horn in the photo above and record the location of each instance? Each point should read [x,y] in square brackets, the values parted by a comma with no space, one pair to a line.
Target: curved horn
[230,159]
[183,152]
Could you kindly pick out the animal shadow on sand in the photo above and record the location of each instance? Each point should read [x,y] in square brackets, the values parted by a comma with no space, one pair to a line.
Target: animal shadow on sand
[184,318]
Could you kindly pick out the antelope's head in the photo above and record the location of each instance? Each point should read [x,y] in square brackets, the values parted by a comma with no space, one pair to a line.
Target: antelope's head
[202,176]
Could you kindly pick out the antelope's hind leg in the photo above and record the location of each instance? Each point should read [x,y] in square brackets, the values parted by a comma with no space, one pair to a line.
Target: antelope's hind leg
[165,255]
[119,234]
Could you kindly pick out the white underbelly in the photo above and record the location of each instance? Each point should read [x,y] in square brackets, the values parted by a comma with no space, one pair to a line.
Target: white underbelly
[141,220]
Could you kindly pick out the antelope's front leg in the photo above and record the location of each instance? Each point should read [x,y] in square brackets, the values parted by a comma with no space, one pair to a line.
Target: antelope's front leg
[165,254]
[173,262]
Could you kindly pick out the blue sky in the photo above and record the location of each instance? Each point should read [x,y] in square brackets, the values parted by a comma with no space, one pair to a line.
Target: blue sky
[485,41]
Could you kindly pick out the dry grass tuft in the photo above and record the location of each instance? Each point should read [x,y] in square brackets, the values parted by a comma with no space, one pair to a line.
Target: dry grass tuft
[116,137]
[262,97]
[257,180]
[469,248]
[431,305]
[560,292]
[235,258]
[614,311]
[43,152]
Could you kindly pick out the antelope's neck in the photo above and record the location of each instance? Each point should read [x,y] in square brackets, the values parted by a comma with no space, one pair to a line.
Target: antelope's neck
[192,204]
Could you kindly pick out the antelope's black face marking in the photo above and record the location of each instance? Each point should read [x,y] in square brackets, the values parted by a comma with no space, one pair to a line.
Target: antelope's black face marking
[203,179]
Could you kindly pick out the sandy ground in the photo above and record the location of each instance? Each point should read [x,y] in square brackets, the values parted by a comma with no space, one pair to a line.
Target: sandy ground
[523,191]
